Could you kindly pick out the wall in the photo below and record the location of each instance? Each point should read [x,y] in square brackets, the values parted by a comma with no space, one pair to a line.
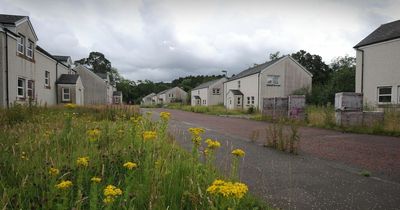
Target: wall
[202,93]
[381,68]
[45,95]
[95,87]
[2,70]
[248,86]
[178,94]
[216,99]
[73,93]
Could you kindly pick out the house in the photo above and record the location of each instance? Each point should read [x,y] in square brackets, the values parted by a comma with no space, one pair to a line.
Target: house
[378,66]
[110,85]
[209,93]
[28,73]
[117,97]
[171,95]
[148,99]
[70,89]
[277,78]
[66,60]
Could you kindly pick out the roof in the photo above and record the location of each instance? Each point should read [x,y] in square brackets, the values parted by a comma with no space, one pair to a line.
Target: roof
[197,97]
[38,48]
[206,84]
[102,75]
[68,79]
[254,70]
[150,95]
[385,32]
[10,19]
[236,92]
[61,58]
[117,93]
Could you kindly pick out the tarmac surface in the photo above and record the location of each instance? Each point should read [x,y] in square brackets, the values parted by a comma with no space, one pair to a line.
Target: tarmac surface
[325,174]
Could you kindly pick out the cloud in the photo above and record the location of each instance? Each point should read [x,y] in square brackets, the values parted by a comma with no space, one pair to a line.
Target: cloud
[163,40]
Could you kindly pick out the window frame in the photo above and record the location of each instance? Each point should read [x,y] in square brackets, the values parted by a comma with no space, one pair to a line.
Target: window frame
[274,80]
[252,100]
[23,88]
[19,39]
[28,49]
[216,91]
[238,83]
[47,78]
[63,94]
[30,89]
[379,95]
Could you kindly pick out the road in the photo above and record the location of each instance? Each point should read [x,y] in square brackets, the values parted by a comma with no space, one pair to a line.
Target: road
[325,175]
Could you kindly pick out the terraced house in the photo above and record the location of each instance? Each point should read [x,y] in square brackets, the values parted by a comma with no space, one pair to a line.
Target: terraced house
[378,66]
[277,78]
[30,74]
[209,93]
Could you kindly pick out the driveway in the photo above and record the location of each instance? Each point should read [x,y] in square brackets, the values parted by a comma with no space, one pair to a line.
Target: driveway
[325,175]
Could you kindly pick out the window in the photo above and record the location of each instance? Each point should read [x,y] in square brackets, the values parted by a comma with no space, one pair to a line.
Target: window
[273,80]
[204,101]
[198,92]
[66,94]
[252,100]
[47,79]
[29,49]
[21,88]
[384,94]
[239,84]
[31,89]
[248,100]
[216,91]
[238,101]
[21,44]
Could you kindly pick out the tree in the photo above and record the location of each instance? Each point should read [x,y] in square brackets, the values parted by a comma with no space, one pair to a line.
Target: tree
[97,61]
[313,63]
[275,56]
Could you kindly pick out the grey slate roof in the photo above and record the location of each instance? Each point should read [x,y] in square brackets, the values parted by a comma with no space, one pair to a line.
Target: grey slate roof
[68,79]
[385,32]
[197,97]
[236,92]
[10,19]
[205,85]
[254,70]
[61,58]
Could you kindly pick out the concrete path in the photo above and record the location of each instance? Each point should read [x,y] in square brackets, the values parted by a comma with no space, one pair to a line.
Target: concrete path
[325,175]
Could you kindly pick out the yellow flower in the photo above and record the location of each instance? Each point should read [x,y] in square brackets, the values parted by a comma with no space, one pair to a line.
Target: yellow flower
[108,200]
[149,135]
[96,179]
[196,131]
[83,161]
[212,144]
[54,171]
[93,134]
[165,116]
[112,191]
[130,165]
[47,134]
[136,120]
[70,106]
[228,189]
[238,153]
[64,185]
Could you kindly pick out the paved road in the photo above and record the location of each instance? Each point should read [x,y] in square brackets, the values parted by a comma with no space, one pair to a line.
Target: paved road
[318,178]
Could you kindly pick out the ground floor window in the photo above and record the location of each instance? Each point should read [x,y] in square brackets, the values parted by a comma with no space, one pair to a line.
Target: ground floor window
[66,94]
[204,101]
[385,94]
[239,101]
[21,88]
[31,89]
[252,100]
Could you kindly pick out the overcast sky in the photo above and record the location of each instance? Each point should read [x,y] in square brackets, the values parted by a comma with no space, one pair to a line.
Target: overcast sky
[163,40]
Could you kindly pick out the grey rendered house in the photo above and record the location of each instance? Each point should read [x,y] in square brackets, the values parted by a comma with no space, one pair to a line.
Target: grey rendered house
[209,93]
[148,99]
[70,89]
[378,66]
[175,94]
[28,73]
[277,78]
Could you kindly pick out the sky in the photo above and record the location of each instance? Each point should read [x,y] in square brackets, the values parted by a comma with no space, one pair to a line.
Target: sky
[162,40]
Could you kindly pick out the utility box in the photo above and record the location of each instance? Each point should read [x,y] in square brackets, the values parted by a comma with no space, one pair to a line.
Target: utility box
[347,101]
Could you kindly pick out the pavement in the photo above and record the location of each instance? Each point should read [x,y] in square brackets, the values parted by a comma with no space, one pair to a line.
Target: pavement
[325,174]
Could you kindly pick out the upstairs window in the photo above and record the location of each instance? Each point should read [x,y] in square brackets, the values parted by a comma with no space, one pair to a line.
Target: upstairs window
[216,91]
[273,80]
[31,89]
[238,83]
[66,94]
[29,49]
[248,100]
[21,88]
[47,79]
[384,94]
[21,44]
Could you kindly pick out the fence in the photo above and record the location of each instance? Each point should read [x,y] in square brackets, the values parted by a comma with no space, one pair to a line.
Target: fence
[286,107]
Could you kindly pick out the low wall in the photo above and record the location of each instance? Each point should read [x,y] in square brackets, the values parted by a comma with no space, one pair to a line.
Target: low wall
[359,118]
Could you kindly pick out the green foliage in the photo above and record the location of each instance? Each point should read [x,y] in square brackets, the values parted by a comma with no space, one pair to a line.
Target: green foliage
[365,173]
[212,110]
[166,177]
[282,138]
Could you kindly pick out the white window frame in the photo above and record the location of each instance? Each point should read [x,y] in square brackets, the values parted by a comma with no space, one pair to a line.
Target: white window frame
[21,43]
[29,49]
[204,101]
[272,80]
[239,101]
[216,91]
[252,100]
[46,78]
[238,83]
[248,100]
[385,94]
[23,87]
[63,94]
[30,89]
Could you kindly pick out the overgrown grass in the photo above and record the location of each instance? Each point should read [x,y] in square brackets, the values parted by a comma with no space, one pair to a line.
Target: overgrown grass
[34,140]
[212,110]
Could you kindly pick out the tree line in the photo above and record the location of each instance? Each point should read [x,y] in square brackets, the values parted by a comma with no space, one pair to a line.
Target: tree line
[328,79]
